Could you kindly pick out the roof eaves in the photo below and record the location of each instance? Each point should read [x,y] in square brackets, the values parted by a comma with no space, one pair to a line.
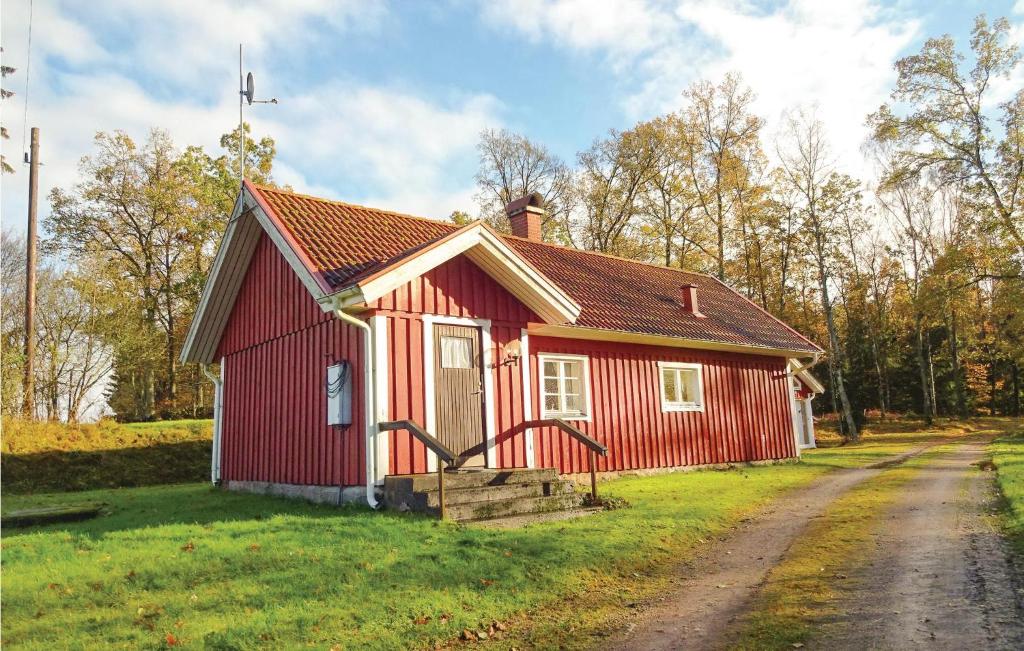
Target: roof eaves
[630,336]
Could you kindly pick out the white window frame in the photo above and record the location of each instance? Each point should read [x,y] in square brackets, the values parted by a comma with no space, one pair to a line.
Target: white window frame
[667,406]
[585,414]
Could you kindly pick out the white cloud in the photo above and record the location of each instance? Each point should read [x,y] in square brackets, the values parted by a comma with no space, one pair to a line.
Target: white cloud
[622,27]
[388,142]
[837,55]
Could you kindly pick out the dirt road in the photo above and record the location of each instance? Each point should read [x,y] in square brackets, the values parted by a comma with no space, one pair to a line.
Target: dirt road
[941,577]
[717,586]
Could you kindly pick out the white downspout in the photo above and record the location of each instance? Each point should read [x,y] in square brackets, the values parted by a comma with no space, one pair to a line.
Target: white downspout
[218,399]
[369,415]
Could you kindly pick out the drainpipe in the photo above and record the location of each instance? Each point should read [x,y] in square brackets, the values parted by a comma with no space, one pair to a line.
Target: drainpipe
[369,415]
[218,398]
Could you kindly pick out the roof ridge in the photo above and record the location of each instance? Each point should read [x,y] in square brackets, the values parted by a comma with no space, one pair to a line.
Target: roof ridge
[610,255]
[455,226]
[505,236]
[348,204]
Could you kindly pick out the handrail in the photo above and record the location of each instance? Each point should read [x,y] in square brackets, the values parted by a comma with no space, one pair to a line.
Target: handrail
[595,447]
[572,431]
[440,449]
[436,446]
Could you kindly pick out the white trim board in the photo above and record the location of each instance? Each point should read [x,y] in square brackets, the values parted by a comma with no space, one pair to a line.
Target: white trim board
[621,336]
[429,394]
[481,245]
[229,270]
[381,372]
[524,361]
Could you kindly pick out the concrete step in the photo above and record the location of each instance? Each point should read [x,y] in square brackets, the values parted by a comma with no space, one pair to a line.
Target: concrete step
[469,478]
[494,493]
[512,507]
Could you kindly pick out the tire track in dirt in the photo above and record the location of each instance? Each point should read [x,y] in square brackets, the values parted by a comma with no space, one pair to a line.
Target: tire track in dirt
[941,575]
[717,586]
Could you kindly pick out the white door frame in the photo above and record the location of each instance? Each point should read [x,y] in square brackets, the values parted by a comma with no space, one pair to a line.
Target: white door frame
[524,361]
[428,381]
[808,422]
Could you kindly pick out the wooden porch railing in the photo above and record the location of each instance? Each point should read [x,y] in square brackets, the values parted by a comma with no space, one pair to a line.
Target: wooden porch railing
[592,445]
[445,457]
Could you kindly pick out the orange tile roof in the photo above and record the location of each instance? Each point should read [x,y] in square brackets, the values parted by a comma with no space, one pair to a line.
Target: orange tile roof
[344,243]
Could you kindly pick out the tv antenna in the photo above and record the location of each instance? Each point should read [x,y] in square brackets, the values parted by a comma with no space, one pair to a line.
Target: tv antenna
[246,93]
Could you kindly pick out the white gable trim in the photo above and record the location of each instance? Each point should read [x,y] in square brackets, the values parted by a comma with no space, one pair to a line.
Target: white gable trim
[803,372]
[248,220]
[488,252]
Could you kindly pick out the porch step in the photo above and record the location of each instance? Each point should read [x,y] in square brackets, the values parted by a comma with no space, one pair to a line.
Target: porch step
[516,506]
[480,494]
[470,477]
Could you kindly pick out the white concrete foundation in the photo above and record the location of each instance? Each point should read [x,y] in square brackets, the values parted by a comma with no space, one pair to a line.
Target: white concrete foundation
[316,494]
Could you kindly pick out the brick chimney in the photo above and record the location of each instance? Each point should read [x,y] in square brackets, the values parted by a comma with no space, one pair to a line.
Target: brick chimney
[688,299]
[525,215]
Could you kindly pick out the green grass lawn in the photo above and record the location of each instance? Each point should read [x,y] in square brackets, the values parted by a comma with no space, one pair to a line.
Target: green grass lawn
[1008,457]
[199,567]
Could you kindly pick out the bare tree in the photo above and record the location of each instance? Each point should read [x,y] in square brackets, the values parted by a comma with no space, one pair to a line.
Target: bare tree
[824,197]
[946,129]
[12,326]
[668,203]
[512,166]
[614,174]
[721,136]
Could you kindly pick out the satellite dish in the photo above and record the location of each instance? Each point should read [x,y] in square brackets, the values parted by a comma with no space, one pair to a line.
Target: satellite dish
[250,89]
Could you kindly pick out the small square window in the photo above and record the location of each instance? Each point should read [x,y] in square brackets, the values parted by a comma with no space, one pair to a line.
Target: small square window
[456,352]
[564,387]
[682,387]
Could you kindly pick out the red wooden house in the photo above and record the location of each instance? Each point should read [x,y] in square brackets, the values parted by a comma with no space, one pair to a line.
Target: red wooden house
[330,320]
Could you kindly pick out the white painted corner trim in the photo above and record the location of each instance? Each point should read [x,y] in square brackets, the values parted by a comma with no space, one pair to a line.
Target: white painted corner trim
[381,448]
[429,386]
[524,362]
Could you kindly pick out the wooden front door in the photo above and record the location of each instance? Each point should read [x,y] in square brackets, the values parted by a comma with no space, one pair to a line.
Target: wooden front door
[459,392]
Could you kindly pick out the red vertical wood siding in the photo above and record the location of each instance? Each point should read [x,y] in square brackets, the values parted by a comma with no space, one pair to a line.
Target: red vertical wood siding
[457,288]
[746,413]
[278,343]
[276,348]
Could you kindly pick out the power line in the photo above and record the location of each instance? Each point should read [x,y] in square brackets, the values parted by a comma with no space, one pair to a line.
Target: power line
[28,70]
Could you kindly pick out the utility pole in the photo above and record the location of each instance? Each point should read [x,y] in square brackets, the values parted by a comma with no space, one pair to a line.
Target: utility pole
[28,406]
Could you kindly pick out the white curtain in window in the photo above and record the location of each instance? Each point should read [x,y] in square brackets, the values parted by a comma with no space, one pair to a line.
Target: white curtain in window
[456,352]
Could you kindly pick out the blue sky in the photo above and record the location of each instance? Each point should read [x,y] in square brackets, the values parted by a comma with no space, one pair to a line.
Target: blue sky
[381,103]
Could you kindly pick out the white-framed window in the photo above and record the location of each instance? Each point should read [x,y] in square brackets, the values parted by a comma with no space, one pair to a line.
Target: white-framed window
[682,386]
[565,386]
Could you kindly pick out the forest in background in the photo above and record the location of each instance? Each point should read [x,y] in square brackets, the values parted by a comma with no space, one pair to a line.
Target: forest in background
[911,279]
